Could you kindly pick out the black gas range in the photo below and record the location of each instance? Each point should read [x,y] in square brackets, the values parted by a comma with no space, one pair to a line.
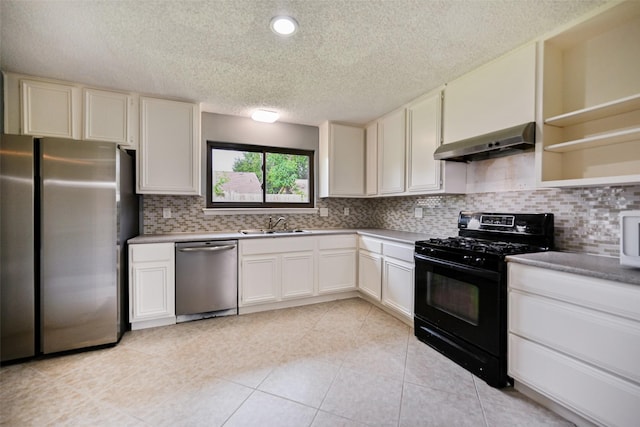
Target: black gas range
[461,287]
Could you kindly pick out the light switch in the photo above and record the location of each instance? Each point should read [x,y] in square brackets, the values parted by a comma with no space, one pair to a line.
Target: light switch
[324,211]
[346,211]
[166,212]
[417,212]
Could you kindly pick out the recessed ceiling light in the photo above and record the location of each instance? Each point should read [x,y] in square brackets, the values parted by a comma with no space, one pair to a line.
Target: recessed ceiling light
[283,25]
[265,116]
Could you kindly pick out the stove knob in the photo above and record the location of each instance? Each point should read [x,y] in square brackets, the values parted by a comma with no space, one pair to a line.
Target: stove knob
[479,261]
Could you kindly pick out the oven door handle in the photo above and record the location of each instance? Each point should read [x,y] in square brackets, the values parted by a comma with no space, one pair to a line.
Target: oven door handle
[487,274]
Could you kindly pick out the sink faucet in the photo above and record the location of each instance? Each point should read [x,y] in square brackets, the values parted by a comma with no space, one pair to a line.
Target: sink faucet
[272,226]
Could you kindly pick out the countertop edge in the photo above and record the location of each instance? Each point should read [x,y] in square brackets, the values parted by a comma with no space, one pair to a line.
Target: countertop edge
[591,265]
[405,237]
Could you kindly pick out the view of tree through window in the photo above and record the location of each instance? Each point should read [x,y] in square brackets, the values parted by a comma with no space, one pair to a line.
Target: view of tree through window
[246,175]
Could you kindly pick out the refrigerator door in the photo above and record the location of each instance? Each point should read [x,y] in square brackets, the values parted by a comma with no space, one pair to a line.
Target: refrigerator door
[17,263]
[79,291]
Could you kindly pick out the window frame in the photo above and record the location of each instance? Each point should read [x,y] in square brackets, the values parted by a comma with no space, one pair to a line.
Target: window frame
[264,150]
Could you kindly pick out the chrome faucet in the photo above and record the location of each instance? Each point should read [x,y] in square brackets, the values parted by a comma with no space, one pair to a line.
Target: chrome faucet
[273,225]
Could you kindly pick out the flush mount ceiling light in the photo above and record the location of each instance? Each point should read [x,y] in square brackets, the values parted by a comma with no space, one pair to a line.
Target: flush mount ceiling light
[265,116]
[283,25]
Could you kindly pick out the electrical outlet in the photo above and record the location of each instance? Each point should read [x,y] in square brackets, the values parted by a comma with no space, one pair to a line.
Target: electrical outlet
[346,211]
[324,211]
[417,212]
[166,212]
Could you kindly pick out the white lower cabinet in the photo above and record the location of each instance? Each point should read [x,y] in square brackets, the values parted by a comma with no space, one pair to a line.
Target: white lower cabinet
[397,285]
[370,274]
[151,285]
[337,263]
[386,274]
[576,340]
[398,277]
[277,271]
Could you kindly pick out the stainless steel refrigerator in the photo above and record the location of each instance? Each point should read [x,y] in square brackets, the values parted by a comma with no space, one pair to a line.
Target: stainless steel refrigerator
[67,208]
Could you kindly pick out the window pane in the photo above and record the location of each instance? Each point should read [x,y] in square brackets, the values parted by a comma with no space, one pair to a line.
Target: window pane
[287,178]
[236,176]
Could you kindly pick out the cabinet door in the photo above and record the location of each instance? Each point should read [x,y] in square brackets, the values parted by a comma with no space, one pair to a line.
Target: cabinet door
[423,118]
[346,160]
[169,147]
[107,117]
[371,167]
[153,292]
[391,153]
[152,281]
[593,393]
[48,109]
[397,285]
[336,270]
[498,95]
[370,274]
[297,274]
[259,279]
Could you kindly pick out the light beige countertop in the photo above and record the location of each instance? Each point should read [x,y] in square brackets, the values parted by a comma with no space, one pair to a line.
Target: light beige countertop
[602,267]
[397,236]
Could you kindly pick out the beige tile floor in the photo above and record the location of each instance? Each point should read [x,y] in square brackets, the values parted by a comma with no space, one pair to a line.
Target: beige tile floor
[344,363]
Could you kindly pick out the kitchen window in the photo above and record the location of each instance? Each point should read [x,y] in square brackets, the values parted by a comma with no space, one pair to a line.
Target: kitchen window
[254,176]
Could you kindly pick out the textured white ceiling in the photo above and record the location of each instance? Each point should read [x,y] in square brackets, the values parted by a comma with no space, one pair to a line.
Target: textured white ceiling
[350,60]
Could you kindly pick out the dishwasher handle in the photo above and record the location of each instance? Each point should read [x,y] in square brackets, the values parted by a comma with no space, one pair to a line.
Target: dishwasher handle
[207,248]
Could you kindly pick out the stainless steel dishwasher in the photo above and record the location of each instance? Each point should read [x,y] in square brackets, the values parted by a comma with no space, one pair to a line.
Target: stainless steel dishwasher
[206,279]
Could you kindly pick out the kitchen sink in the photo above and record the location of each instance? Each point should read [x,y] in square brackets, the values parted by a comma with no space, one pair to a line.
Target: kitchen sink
[263,231]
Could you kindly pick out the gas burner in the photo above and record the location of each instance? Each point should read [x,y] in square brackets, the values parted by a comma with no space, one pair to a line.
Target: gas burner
[483,246]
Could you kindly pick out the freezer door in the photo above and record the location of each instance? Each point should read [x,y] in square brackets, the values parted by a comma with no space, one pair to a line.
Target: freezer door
[79,292]
[17,264]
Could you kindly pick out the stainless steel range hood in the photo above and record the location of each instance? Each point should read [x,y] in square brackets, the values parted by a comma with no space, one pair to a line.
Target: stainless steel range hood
[504,142]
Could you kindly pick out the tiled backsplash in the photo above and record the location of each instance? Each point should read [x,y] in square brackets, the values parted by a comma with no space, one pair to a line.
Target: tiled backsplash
[586,219]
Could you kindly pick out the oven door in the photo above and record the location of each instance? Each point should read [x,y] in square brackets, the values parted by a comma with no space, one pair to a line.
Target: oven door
[463,301]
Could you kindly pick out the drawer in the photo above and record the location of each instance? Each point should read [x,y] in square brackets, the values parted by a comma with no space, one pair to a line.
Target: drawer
[151,252]
[606,341]
[340,241]
[371,245]
[272,245]
[621,299]
[398,251]
[597,395]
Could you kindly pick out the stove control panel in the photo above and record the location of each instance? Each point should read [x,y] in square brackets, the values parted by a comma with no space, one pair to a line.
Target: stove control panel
[497,220]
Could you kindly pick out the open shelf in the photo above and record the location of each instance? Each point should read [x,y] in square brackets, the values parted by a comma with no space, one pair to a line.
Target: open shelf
[610,138]
[607,109]
[591,182]
[589,113]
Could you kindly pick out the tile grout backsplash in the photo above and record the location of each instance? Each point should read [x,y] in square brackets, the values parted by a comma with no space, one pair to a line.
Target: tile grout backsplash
[586,219]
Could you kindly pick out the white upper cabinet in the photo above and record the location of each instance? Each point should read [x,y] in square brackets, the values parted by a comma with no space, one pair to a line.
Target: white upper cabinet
[371,163]
[169,155]
[498,95]
[46,107]
[391,153]
[424,173]
[49,109]
[590,105]
[109,116]
[342,160]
